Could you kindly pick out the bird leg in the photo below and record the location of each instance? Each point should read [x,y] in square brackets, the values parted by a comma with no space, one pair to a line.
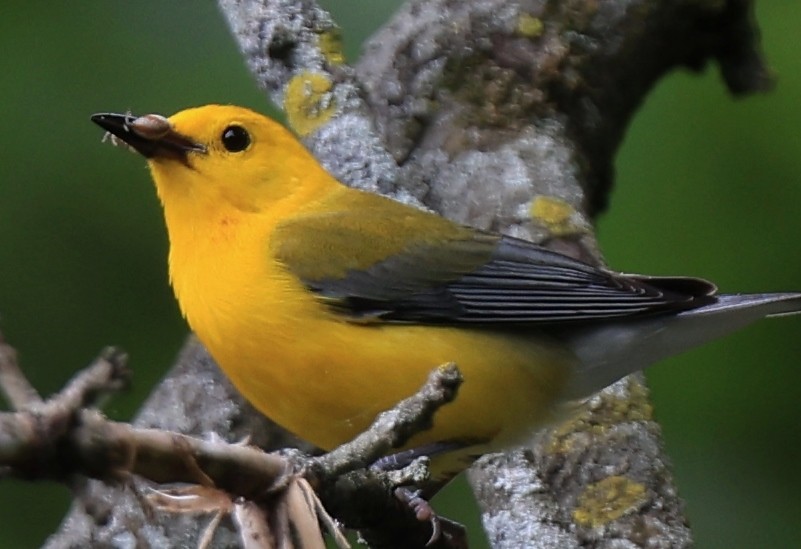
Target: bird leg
[415,499]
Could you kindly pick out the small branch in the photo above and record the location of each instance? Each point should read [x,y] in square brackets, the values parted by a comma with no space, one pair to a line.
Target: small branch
[512,113]
[195,398]
[15,387]
[67,439]
[30,437]
[104,449]
[394,427]
[107,374]
[364,498]
[293,49]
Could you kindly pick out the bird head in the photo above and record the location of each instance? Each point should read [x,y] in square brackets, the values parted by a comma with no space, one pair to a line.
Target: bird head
[216,156]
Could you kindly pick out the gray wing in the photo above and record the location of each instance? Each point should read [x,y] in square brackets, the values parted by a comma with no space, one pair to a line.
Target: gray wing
[482,279]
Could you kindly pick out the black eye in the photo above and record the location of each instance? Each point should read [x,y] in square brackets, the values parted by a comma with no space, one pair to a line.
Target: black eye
[235,138]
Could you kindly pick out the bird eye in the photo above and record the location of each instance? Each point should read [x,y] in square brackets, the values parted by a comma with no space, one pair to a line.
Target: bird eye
[235,138]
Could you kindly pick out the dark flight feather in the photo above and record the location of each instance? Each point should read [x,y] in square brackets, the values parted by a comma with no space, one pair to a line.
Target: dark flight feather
[477,278]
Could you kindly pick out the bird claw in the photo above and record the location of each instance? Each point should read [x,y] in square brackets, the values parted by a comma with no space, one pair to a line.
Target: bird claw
[422,511]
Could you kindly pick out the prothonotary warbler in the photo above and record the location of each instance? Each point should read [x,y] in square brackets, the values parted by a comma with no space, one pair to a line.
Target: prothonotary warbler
[326,305]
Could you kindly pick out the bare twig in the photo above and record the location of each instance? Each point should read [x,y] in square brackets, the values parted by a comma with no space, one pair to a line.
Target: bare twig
[13,383]
[365,499]
[251,518]
[68,438]
[327,520]
[30,437]
[301,508]
[394,427]
[103,449]
[107,374]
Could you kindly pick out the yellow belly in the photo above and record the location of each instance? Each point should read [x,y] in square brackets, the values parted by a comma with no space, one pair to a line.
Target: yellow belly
[325,379]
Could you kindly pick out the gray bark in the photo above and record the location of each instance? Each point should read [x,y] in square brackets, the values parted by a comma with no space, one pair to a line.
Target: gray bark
[501,114]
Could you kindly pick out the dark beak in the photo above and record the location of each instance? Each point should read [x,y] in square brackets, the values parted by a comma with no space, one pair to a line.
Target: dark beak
[151,135]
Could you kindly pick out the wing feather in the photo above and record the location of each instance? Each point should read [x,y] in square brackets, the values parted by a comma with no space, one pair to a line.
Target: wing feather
[470,277]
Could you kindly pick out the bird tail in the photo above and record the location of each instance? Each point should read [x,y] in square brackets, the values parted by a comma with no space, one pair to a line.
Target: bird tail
[609,352]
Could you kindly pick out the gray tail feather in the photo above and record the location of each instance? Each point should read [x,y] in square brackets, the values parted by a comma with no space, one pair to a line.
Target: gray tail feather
[763,305]
[611,351]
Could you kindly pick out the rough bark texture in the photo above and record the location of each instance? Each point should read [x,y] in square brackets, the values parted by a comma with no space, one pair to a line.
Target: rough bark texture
[195,398]
[509,114]
[504,115]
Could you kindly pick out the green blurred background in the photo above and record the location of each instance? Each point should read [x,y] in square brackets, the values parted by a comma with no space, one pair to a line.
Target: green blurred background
[706,186]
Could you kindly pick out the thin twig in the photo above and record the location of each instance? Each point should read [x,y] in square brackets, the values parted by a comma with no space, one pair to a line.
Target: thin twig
[68,438]
[14,385]
[107,374]
[394,427]
[162,456]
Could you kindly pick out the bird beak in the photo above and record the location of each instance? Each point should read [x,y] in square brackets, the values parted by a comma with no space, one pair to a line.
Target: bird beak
[152,135]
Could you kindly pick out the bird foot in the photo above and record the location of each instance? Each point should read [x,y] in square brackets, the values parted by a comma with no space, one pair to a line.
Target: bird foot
[452,533]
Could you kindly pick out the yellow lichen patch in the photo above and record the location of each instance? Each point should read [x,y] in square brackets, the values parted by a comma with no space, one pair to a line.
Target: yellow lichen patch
[330,43]
[529,26]
[554,214]
[635,408]
[562,436]
[608,500]
[308,102]
[606,411]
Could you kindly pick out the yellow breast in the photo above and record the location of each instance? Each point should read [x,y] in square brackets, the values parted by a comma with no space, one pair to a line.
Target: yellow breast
[324,378]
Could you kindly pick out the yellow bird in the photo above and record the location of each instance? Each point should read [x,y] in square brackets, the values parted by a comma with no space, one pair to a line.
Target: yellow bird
[326,305]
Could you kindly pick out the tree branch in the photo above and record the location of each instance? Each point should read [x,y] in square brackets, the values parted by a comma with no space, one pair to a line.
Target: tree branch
[61,438]
[505,115]
[393,428]
[14,385]
[194,399]
[293,49]
[510,113]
